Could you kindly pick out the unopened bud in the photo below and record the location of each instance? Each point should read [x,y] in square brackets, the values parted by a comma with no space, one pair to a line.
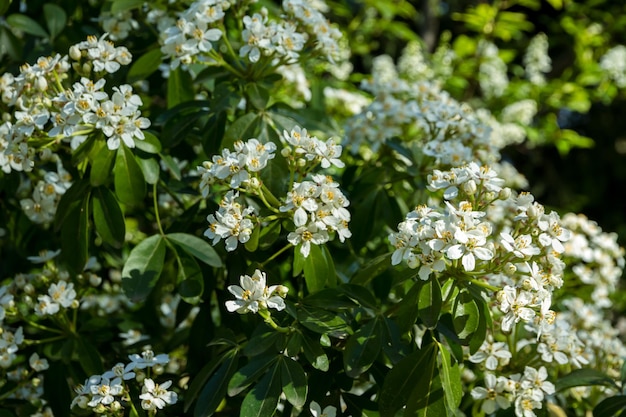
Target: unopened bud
[75,53]
[469,187]
[504,193]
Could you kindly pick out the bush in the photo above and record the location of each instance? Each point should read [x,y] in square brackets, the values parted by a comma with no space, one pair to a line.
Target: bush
[207,210]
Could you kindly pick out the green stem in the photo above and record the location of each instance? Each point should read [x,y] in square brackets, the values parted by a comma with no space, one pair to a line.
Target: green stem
[42,327]
[156,208]
[267,317]
[274,256]
[483,284]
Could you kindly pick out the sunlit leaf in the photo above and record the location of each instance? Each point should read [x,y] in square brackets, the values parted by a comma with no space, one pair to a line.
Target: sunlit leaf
[143,268]
[108,217]
[294,381]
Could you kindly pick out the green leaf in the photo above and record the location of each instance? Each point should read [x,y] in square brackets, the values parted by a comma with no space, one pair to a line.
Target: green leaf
[251,372]
[314,353]
[465,316]
[27,25]
[120,6]
[401,381]
[197,247]
[130,185]
[330,299]
[89,357]
[102,164]
[73,196]
[427,399]
[56,18]
[257,95]
[143,268]
[363,347]
[108,217]
[610,406]
[179,87]
[450,380]
[261,401]
[201,378]
[253,242]
[243,128]
[172,166]
[318,268]
[144,66]
[10,44]
[294,381]
[150,168]
[584,377]
[360,294]
[75,236]
[429,303]
[213,132]
[322,321]
[4,6]
[372,269]
[262,340]
[190,279]
[149,144]
[215,389]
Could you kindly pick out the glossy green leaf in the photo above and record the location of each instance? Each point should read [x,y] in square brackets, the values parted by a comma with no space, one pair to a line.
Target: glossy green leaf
[179,87]
[56,18]
[75,236]
[584,377]
[610,406]
[294,344]
[450,380]
[144,66]
[172,166]
[213,132]
[318,268]
[401,381]
[150,143]
[427,399]
[26,25]
[10,44]
[330,299]
[73,196]
[261,341]
[294,381]
[143,268]
[215,389]
[363,347]
[262,399]
[150,168]
[130,185]
[314,353]
[201,378]
[103,160]
[360,294]
[197,247]
[257,95]
[243,128]
[465,316]
[322,321]
[108,217]
[250,373]
[253,243]
[429,302]
[89,357]
[189,278]
[371,269]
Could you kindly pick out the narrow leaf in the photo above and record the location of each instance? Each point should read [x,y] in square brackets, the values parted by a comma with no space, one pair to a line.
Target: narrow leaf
[243,128]
[150,168]
[429,302]
[214,391]
[101,166]
[144,66]
[372,269]
[197,247]
[26,25]
[251,372]
[362,348]
[130,185]
[56,390]
[179,87]
[450,380]
[108,217]
[143,268]
[584,377]
[314,353]
[89,357]
[294,382]
[261,401]
[610,406]
[149,144]
[56,18]
[75,236]
[189,278]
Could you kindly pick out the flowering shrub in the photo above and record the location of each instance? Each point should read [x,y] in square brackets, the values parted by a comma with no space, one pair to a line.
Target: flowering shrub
[201,217]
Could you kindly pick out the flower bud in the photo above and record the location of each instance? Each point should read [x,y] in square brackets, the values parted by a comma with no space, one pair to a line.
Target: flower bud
[469,187]
[504,193]
[75,53]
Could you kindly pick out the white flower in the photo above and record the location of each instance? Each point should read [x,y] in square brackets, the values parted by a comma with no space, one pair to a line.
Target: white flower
[147,359]
[316,410]
[493,354]
[155,396]
[493,394]
[470,246]
[38,364]
[105,391]
[254,295]
[122,371]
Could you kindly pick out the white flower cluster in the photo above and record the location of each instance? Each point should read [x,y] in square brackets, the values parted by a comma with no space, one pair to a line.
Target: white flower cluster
[508,239]
[99,54]
[41,205]
[263,37]
[492,72]
[118,25]
[312,149]
[192,34]
[526,391]
[88,105]
[236,168]
[109,392]
[254,295]
[318,207]
[537,62]
[60,294]
[232,223]
[613,63]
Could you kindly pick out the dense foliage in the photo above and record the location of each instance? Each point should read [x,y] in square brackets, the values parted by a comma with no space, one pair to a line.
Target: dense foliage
[301,208]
